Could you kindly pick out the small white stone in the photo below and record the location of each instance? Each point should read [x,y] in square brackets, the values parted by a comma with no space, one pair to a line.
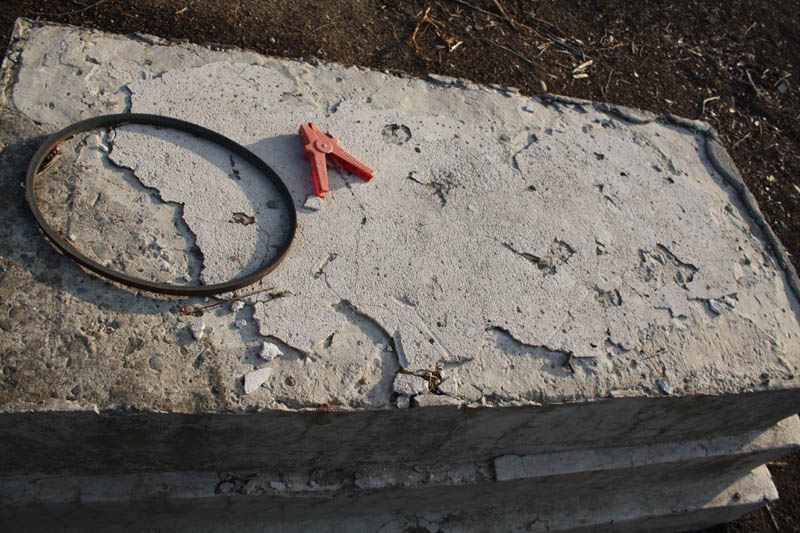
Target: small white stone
[253,380]
[241,323]
[237,306]
[197,330]
[449,387]
[403,402]
[715,307]
[409,385]
[313,203]
[665,387]
[277,485]
[269,351]
[730,301]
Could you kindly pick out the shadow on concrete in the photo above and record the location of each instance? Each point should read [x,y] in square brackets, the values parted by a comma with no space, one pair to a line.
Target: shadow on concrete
[24,244]
[265,203]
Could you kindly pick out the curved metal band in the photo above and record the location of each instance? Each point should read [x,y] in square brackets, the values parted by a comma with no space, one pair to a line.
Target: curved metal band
[155,120]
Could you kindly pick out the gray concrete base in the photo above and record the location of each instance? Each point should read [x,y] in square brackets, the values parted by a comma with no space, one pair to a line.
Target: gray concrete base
[665,486]
[659,507]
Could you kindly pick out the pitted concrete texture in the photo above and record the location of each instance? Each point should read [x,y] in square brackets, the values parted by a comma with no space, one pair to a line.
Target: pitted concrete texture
[510,250]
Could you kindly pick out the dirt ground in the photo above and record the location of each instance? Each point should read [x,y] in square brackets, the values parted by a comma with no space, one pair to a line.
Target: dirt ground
[734,64]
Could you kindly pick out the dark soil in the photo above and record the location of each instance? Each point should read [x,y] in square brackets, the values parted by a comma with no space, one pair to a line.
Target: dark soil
[734,64]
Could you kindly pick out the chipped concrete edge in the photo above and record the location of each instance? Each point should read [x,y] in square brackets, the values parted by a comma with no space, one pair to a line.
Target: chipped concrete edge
[717,155]
[723,163]
[11,62]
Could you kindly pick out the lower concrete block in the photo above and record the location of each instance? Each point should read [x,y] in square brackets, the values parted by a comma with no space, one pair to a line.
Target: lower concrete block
[665,486]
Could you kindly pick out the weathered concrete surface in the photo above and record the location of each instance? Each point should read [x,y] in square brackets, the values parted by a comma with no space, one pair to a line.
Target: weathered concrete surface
[564,293]
[651,483]
[501,238]
[529,275]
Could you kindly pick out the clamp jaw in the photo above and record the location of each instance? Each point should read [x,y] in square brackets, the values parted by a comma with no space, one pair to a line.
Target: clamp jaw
[316,146]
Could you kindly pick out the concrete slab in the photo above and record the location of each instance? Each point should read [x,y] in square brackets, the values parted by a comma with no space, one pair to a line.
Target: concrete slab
[495,244]
[704,482]
[528,275]
[659,507]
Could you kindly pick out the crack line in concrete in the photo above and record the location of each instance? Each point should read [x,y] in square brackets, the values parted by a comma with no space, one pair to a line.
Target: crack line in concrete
[186,230]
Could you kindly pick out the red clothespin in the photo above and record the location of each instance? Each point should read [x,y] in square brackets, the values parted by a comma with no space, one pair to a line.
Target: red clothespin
[316,145]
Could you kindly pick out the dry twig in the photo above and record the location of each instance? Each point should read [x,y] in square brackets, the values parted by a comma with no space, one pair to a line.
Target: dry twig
[503,11]
[707,100]
[740,140]
[522,57]
[515,25]
[196,309]
[420,22]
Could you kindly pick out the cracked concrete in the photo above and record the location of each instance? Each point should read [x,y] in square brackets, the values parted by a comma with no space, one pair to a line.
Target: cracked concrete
[528,275]
[497,225]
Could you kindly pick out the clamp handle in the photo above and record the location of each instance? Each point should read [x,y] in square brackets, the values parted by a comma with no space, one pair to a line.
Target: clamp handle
[316,146]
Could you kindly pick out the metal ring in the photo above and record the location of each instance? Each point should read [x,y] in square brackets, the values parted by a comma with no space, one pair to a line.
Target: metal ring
[155,120]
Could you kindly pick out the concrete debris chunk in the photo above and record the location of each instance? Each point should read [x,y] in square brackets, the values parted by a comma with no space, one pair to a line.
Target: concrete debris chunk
[410,385]
[665,387]
[241,323]
[198,330]
[237,306]
[277,485]
[269,351]
[403,402]
[716,306]
[313,203]
[449,387]
[253,380]
[730,301]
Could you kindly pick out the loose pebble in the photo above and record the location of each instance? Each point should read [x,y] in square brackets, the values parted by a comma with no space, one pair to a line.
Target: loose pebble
[313,203]
[269,351]
[715,306]
[665,387]
[197,330]
[253,380]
